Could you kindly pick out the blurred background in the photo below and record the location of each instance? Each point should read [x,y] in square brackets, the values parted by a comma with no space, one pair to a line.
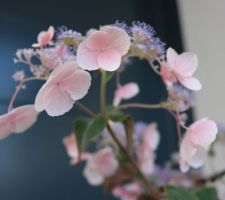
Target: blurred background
[34,165]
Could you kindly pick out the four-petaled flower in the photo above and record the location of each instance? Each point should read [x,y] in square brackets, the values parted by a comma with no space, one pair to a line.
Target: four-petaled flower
[103,49]
[66,84]
[180,68]
[196,143]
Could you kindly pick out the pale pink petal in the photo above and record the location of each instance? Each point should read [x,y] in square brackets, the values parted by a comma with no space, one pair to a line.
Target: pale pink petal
[129,191]
[119,39]
[171,56]
[45,37]
[6,127]
[77,84]
[86,58]
[93,176]
[71,147]
[186,64]
[106,161]
[109,60]
[190,83]
[51,31]
[203,132]
[100,165]
[199,158]
[98,40]
[126,91]
[63,71]
[184,167]
[17,120]
[166,73]
[197,140]
[151,136]
[58,102]
[187,151]
[25,117]
[42,97]
[147,162]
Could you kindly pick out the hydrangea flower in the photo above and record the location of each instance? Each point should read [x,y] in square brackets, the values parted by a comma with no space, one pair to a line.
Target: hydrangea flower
[181,68]
[45,37]
[17,120]
[196,143]
[66,84]
[103,49]
[100,165]
[126,91]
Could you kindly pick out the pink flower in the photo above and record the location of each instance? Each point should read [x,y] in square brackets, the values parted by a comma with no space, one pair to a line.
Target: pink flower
[100,165]
[19,75]
[103,49]
[151,137]
[181,68]
[196,143]
[145,152]
[129,191]
[70,143]
[66,84]
[17,120]
[126,91]
[45,37]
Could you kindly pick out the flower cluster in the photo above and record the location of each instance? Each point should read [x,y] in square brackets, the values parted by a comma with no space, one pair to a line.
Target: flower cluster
[123,160]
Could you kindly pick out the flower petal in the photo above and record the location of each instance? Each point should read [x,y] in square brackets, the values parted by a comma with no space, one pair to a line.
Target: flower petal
[98,40]
[77,84]
[25,117]
[126,91]
[86,58]
[41,98]
[186,64]
[119,39]
[59,102]
[93,176]
[191,83]
[17,120]
[171,56]
[109,60]
[199,158]
[6,128]
[203,133]
[55,101]
[151,136]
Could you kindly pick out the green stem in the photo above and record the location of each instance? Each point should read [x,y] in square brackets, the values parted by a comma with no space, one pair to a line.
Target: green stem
[102,93]
[143,106]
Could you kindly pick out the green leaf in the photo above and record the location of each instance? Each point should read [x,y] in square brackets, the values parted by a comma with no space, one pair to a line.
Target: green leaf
[95,126]
[107,76]
[80,124]
[207,193]
[87,130]
[173,193]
